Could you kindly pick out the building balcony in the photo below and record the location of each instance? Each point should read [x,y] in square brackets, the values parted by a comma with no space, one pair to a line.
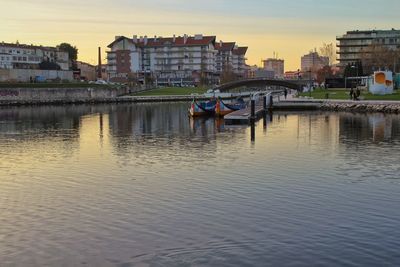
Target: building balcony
[345,38]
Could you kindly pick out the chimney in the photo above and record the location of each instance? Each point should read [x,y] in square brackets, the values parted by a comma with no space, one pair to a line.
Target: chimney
[145,40]
[99,66]
[220,43]
[134,39]
[185,37]
[174,38]
[155,38]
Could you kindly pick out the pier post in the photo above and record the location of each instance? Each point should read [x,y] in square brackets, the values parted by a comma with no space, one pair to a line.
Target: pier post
[253,109]
[265,103]
[253,131]
[271,102]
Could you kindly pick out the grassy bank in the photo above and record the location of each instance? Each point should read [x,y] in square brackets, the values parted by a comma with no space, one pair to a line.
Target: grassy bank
[344,94]
[173,91]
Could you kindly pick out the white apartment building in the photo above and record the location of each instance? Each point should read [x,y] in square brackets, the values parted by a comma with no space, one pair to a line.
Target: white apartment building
[224,58]
[351,44]
[20,56]
[172,57]
[239,61]
[178,57]
[313,61]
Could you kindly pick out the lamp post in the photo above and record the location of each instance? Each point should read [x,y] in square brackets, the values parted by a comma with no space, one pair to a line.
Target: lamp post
[356,67]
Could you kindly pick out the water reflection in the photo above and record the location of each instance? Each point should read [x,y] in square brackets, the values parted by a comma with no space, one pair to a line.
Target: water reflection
[143,184]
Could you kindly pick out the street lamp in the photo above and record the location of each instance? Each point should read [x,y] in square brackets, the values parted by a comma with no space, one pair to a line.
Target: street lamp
[355,67]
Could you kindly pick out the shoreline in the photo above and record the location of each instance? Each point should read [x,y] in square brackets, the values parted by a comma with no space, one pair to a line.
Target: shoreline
[72,96]
[362,106]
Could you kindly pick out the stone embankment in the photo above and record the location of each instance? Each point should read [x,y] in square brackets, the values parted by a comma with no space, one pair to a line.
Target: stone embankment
[367,106]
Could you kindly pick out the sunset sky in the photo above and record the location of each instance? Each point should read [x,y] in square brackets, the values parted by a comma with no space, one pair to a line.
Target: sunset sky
[290,28]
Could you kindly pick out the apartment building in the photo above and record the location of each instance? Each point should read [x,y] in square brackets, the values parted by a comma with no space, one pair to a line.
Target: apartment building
[21,56]
[313,61]
[173,58]
[239,61]
[178,57]
[224,57]
[351,44]
[276,65]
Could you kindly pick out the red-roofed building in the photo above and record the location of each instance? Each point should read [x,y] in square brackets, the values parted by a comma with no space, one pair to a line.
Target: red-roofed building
[174,60]
[224,56]
[239,61]
[169,60]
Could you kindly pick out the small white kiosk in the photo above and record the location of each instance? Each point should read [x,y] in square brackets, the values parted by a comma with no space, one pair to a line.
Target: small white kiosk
[381,83]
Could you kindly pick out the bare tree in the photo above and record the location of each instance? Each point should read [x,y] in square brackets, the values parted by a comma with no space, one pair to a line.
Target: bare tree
[378,57]
[227,74]
[328,50]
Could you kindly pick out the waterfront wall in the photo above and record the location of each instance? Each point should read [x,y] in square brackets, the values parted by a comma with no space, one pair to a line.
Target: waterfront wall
[20,96]
[24,75]
[389,107]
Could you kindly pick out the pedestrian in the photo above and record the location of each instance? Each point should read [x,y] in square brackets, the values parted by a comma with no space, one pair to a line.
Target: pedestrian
[285,93]
[357,94]
[351,93]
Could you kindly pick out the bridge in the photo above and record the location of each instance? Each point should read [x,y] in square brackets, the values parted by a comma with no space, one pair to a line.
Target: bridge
[258,82]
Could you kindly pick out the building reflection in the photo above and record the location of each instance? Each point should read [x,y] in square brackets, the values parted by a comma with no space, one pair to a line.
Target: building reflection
[376,127]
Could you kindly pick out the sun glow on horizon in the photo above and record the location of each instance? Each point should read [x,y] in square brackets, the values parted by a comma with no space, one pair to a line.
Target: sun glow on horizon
[264,26]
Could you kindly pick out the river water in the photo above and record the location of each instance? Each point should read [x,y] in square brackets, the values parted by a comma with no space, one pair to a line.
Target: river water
[142,185]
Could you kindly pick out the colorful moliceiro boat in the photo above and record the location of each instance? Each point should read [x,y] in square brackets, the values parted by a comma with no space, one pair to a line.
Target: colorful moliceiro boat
[223,109]
[203,108]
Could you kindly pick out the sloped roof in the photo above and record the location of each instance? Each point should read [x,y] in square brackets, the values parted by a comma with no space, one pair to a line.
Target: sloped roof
[172,41]
[221,46]
[240,51]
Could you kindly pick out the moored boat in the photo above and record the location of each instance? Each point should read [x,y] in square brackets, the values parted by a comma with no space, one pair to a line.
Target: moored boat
[222,108]
[202,108]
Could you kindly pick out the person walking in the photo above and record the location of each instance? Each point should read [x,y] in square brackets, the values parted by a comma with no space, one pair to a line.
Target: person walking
[285,92]
[351,93]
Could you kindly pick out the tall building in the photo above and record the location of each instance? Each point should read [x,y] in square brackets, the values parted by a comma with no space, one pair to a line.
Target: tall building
[313,61]
[351,44]
[239,61]
[188,58]
[224,57]
[21,56]
[275,65]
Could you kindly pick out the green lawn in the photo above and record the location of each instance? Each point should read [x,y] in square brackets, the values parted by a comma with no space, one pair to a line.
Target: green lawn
[344,94]
[173,91]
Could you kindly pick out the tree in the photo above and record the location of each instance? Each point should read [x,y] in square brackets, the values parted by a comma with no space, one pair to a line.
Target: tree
[378,57]
[47,65]
[328,50]
[71,50]
[324,73]
[354,70]
[227,74]
[72,54]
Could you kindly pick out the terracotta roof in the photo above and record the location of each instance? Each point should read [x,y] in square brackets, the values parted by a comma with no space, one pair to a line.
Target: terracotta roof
[225,46]
[179,41]
[240,51]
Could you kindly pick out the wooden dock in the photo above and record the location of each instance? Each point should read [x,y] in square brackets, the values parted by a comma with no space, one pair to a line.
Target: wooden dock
[243,116]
